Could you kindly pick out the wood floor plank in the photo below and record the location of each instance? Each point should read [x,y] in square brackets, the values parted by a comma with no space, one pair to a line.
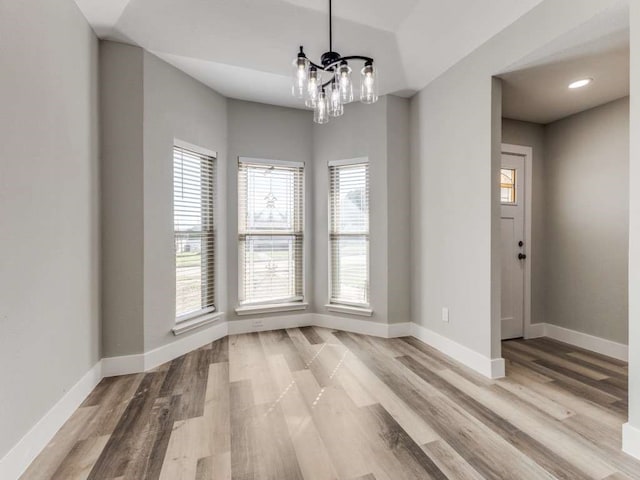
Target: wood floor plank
[311,453]
[151,446]
[559,361]
[218,420]
[415,461]
[243,442]
[448,460]
[55,453]
[220,351]
[311,335]
[343,439]
[193,384]
[81,459]
[278,342]
[247,361]
[117,453]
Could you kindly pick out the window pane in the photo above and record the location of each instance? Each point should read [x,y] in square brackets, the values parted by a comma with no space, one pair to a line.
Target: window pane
[350,202]
[507,185]
[271,267]
[270,199]
[193,195]
[349,235]
[350,266]
[270,225]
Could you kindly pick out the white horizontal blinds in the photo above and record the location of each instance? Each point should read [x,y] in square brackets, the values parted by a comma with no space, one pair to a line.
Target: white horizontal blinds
[194,231]
[349,233]
[270,228]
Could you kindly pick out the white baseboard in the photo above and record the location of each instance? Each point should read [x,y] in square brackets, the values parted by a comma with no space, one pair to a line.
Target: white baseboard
[631,440]
[363,327]
[491,368]
[397,330]
[588,342]
[535,330]
[14,463]
[142,362]
[279,322]
[122,365]
[184,344]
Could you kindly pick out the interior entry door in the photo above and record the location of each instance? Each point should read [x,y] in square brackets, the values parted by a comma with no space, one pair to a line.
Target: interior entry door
[513,248]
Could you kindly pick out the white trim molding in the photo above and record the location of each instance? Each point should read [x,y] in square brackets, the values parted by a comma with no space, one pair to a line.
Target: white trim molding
[196,322]
[362,311]
[18,459]
[274,308]
[363,327]
[266,324]
[266,161]
[142,362]
[535,330]
[600,345]
[631,440]
[490,368]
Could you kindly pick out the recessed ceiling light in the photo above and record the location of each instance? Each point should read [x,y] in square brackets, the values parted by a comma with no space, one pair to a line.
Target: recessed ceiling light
[580,83]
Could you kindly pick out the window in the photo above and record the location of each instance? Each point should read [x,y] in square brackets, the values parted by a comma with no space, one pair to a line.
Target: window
[270,231]
[194,232]
[507,185]
[349,232]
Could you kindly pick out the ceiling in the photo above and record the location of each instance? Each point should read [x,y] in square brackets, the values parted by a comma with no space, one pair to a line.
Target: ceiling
[244,48]
[536,89]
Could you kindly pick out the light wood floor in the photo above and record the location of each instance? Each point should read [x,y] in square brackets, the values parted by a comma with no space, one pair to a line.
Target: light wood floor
[315,404]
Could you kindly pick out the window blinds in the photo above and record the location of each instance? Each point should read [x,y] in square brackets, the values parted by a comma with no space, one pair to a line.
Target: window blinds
[270,231]
[194,231]
[349,233]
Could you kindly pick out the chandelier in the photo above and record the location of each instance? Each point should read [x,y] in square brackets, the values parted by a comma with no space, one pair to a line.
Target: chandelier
[327,87]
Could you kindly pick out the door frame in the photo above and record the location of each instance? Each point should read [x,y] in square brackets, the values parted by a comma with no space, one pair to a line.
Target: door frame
[530,331]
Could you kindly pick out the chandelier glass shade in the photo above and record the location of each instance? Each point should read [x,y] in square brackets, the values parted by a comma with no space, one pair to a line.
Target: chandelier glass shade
[327,86]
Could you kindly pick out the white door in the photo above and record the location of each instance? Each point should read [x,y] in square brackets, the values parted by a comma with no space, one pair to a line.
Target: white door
[513,245]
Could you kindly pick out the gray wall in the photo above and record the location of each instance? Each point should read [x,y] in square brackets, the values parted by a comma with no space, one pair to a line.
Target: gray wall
[276,133]
[122,206]
[176,106]
[532,135]
[381,133]
[634,230]
[399,210]
[49,271]
[587,227]
[454,181]
[146,104]
[360,132]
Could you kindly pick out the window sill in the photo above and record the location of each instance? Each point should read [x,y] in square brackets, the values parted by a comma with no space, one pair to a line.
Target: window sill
[278,307]
[192,324]
[362,311]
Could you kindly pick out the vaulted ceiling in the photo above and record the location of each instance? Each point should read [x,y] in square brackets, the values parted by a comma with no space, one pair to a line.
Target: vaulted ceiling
[243,48]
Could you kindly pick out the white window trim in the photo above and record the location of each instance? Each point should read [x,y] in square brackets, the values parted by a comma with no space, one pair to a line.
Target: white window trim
[198,313]
[195,148]
[362,311]
[196,322]
[265,161]
[271,308]
[348,161]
